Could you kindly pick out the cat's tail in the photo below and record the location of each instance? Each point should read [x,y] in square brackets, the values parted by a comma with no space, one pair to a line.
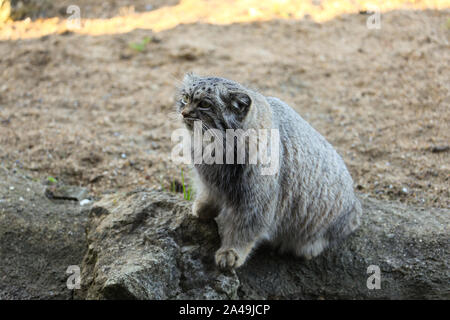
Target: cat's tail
[348,221]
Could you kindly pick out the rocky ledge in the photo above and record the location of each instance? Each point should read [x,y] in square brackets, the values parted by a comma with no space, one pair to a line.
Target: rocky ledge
[147,245]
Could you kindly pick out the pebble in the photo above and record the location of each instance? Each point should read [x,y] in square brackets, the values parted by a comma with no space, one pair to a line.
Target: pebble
[85,202]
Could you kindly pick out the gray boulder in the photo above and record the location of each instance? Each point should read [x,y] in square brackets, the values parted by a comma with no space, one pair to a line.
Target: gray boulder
[147,245]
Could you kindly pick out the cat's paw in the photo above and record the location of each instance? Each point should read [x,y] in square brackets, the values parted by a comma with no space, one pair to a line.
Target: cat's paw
[228,258]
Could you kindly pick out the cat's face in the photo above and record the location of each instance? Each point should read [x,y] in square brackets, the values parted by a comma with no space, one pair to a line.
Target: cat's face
[218,103]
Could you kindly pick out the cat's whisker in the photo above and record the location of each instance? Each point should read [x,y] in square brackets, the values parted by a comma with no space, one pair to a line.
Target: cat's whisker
[174,116]
[179,82]
[212,132]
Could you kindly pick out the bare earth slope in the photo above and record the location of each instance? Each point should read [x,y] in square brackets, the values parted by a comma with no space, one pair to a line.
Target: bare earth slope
[91,111]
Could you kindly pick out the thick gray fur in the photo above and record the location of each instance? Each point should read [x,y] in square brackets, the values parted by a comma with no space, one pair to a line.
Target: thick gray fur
[306,206]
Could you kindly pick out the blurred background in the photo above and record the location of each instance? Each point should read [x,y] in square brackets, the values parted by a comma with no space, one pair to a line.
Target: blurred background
[87,87]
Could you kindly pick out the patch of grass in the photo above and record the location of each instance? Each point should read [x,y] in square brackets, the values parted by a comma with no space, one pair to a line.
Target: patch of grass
[187,192]
[52,180]
[140,46]
[176,185]
[161,183]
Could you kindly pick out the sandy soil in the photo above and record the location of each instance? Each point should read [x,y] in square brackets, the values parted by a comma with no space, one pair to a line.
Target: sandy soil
[89,110]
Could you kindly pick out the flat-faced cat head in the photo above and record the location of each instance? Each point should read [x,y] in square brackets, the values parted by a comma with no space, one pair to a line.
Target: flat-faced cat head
[219,103]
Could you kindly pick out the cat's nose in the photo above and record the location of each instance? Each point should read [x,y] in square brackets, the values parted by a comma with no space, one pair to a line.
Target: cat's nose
[186,113]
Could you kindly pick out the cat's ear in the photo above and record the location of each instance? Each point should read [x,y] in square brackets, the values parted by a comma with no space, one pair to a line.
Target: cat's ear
[240,102]
[190,76]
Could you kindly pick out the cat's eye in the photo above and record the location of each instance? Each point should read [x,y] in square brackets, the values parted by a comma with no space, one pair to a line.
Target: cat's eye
[204,105]
[184,100]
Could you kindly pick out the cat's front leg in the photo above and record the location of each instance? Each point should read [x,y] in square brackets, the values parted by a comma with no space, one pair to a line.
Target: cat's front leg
[205,209]
[205,205]
[239,232]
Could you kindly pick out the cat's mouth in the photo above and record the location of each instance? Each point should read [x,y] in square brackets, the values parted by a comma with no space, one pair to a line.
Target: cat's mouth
[189,121]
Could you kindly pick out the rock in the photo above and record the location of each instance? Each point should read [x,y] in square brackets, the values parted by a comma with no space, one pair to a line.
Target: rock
[147,245]
[65,192]
[85,202]
[39,239]
[437,149]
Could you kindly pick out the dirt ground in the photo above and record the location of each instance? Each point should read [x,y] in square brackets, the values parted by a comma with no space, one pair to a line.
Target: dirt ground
[86,107]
